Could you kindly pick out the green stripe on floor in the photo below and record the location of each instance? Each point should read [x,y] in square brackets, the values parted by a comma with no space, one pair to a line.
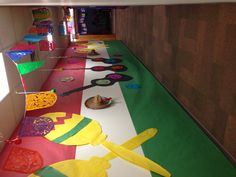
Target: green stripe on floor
[180,146]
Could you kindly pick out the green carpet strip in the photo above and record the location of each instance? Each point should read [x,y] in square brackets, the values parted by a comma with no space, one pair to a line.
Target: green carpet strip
[48,171]
[73,131]
[180,146]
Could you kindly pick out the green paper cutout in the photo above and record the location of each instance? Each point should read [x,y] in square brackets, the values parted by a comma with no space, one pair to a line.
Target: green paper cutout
[48,171]
[73,131]
[27,67]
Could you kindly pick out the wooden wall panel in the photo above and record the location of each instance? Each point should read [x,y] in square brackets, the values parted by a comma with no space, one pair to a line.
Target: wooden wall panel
[191,49]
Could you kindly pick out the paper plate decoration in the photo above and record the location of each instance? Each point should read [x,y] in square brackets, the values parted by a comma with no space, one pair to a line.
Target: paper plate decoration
[67,79]
[27,67]
[79,130]
[18,54]
[22,46]
[40,100]
[32,38]
[96,166]
[109,80]
[36,126]
[23,160]
[98,102]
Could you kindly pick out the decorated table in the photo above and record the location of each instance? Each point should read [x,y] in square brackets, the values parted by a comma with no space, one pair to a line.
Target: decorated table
[172,142]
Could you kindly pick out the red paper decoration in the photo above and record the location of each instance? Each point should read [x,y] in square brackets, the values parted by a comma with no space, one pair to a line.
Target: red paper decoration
[23,160]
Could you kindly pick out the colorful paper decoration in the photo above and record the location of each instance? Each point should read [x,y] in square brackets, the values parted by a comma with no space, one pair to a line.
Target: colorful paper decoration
[39,31]
[40,100]
[32,38]
[45,45]
[107,60]
[36,126]
[80,130]
[22,46]
[133,86]
[96,166]
[23,160]
[109,80]
[41,14]
[27,67]
[17,55]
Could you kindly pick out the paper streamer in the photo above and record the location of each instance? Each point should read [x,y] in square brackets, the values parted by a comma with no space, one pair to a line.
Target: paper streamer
[40,100]
[27,67]
[17,55]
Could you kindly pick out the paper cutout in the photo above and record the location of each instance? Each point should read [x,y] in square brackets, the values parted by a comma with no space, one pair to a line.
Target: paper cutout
[41,13]
[96,166]
[27,67]
[80,130]
[45,45]
[36,126]
[40,31]
[22,46]
[107,60]
[17,55]
[23,160]
[133,86]
[40,100]
[32,38]
[42,23]
[109,80]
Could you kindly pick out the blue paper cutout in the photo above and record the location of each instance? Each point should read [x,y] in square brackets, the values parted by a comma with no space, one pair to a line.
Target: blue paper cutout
[133,86]
[33,38]
[18,54]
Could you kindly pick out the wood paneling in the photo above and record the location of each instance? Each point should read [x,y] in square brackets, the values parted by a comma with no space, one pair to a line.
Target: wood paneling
[191,49]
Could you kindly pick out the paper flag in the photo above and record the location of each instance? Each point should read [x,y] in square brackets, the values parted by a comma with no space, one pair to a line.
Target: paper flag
[23,160]
[22,46]
[32,38]
[36,126]
[27,67]
[45,45]
[40,100]
[17,55]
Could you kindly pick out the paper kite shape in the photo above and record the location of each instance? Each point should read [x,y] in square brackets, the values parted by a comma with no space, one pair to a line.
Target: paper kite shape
[36,126]
[22,46]
[27,67]
[32,38]
[79,130]
[17,55]
[40,100]
[96,166]
[23,160]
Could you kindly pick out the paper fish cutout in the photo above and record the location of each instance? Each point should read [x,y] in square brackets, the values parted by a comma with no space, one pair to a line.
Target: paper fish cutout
[40,100]
[27,67]
[36,126]
[22,46]
[96,166]
[23,160]
[17,55]
[45,45]
[32,38]
[79,130]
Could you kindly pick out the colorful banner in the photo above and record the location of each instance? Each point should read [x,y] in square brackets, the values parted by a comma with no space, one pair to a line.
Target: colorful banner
[32,38]
[27,67]
[41,14]
[23,46]
[17,55]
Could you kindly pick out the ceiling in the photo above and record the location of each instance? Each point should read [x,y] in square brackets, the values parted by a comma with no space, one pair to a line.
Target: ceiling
[102,2]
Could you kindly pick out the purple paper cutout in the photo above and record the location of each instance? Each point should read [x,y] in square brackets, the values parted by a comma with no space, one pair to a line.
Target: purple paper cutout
[36,126]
